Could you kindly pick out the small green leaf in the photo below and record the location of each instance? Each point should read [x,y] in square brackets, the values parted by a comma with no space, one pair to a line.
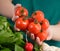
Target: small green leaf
[5,49]
[18,48]
[1,27]
[37,47]
[3,19]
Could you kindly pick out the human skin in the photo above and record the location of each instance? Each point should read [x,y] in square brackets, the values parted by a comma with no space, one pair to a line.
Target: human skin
[7,9]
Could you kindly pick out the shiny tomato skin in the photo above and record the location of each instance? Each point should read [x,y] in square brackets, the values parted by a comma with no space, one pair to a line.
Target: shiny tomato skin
[45,24]
[34,28]
[21,11]
[31,20]
[38,15]
[21,23]
[25,12]
[17,11]
[42,35]
[29,47]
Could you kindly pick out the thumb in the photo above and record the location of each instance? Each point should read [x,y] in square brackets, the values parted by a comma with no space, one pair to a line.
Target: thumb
[32,36]
[38,41]
[15,28]
[17,5]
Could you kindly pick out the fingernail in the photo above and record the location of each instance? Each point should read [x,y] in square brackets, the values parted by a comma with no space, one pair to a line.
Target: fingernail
[32,35]
[38,41]
[16,28]
[37,38]
[16,17]
[18,4]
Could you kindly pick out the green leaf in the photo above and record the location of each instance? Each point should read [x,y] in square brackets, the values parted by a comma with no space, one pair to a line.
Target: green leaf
[37,47]
[6,37]
[5,49]
[2,18]
[18,48]
[19,35]
[1,27]
[9,36]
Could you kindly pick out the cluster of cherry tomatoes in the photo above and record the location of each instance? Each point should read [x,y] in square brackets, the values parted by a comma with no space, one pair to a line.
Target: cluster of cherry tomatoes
[35,24]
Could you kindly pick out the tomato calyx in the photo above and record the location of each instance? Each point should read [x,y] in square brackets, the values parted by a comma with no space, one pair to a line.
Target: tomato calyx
[35,21]
[25,19]
[35,13]
[22,11]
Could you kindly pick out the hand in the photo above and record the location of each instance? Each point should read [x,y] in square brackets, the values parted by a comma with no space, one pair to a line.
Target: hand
[53,32]
[15,17]
[46,47]
[15,28]
[31,35]
[37,39]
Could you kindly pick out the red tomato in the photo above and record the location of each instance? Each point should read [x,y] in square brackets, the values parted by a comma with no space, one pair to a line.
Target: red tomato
[31,20]
[21,23]
[38,15]
[42,35]
[34,27]
[17,11]
[29,47]
[24,12]
[45,24]
[21,11]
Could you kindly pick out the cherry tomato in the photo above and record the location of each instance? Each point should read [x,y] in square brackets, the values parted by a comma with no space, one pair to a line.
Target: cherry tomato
[29,47]
[21,11]
[45,24]
[21,23]
[42,35]
[38,15]
[34,27]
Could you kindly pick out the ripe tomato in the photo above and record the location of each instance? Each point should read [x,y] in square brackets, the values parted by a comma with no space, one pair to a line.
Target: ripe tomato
[38,15]
[31,20]
[24,12]
[17,11]
[29,47]
[42,35]
[34,27]
[45,24]
[21,23]
[21,11]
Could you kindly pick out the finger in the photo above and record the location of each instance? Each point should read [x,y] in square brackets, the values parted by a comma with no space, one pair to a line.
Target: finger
[32,36]
[16,28]
[38,41]
[14,18]
[28,33]
[17,5]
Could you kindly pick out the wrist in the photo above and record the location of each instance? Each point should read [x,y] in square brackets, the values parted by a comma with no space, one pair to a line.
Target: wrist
[56,32]
[50,32]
